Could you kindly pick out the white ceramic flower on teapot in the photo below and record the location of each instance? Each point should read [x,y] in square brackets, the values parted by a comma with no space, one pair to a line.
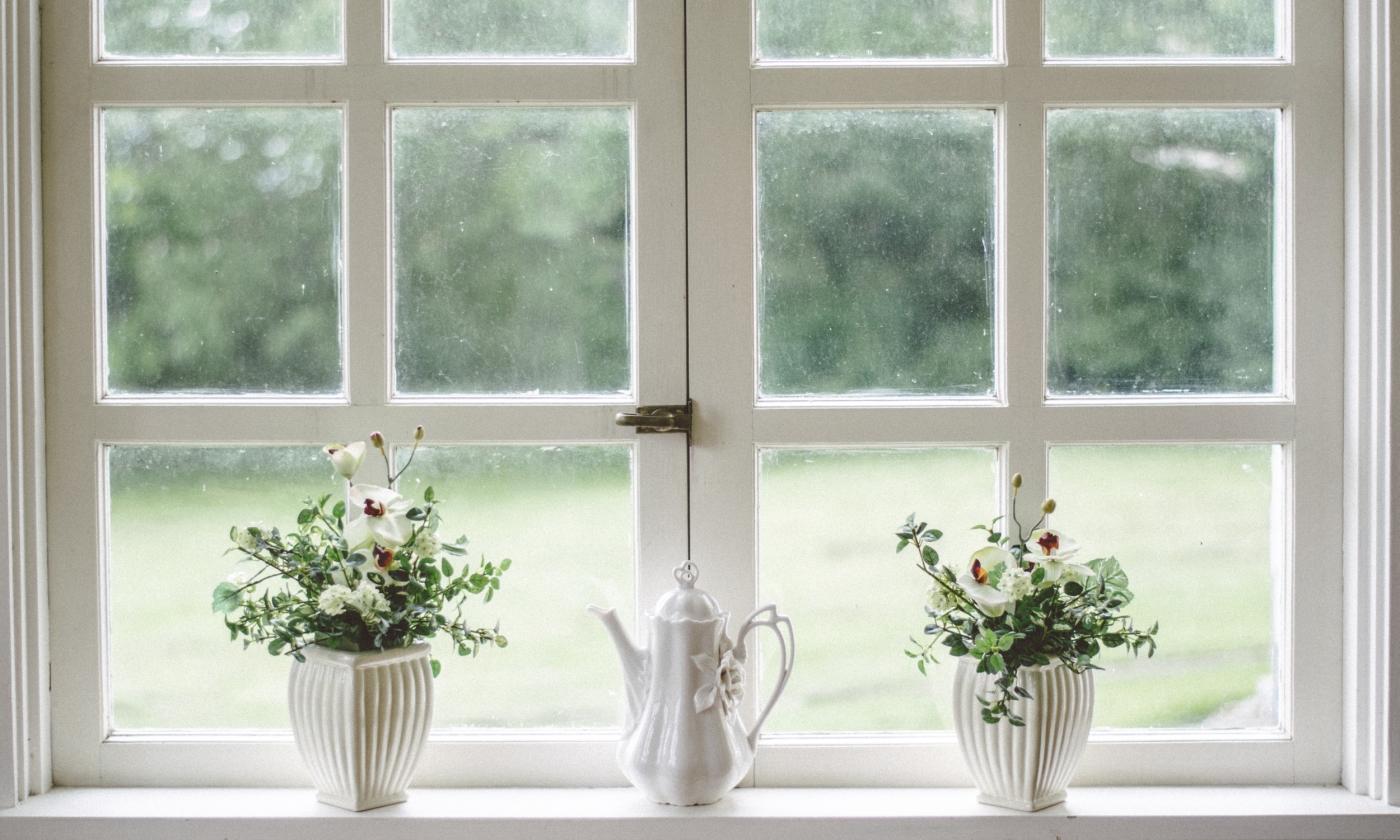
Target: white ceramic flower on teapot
[684,742]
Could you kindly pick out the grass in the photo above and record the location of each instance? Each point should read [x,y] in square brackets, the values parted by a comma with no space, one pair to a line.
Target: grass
[1190,525]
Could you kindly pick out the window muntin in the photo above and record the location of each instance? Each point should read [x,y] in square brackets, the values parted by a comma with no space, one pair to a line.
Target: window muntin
[221,30]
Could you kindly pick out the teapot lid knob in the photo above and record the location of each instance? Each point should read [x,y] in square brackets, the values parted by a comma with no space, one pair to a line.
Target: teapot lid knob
[686,574]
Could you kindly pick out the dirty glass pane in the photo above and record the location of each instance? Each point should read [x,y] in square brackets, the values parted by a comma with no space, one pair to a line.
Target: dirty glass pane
[877,262]
[1161,29]
[826,557]
[172,664]
[1195,529]
[564,516]
[818,30]
[221,29]
[1161,233]
[511,241]
[222,249]
[492,29]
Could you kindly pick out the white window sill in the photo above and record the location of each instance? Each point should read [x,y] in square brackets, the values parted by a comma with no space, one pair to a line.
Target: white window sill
[1252,813]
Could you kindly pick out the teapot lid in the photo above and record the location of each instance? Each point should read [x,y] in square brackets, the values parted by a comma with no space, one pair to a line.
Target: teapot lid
[685,602]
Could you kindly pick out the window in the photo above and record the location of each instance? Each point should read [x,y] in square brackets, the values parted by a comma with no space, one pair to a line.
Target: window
[892,251]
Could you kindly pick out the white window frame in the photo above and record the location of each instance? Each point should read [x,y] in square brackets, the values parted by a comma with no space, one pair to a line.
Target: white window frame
[366,85]
[1370,653]
[726,87]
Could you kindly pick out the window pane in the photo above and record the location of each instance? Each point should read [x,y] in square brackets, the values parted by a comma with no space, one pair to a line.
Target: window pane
[826,525]
[1161,29]
[511,252]
[876,255]
[223,264]
[842,30]
[1161,234]
[172,664]
[1195,529]
[563,514]
[212,29]
[489,29]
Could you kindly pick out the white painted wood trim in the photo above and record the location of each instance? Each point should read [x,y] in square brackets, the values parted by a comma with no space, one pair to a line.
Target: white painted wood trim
[1371,708]
[24,726]
[1182,813]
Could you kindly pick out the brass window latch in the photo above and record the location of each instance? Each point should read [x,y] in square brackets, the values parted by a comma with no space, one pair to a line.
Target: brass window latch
[656,419]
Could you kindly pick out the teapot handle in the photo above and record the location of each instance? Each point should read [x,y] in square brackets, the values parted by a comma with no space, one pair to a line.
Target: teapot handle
[768,616]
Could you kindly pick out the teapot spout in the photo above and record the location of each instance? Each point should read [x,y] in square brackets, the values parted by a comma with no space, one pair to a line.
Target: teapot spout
[634,661]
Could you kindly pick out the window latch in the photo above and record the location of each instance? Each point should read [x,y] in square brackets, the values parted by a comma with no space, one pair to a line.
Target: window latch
[655,419]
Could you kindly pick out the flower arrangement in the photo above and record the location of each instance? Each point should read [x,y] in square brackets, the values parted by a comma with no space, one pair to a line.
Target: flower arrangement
[1023,600]
[377,579]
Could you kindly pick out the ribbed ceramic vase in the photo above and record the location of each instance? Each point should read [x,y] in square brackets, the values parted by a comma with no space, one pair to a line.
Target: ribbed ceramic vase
[360,721]
[1024,767]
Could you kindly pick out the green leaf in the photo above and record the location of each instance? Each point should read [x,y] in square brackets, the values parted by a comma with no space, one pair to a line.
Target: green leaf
[505,564]
[226,598]
[428,496]
[995,663]
[435,665]
[446,567]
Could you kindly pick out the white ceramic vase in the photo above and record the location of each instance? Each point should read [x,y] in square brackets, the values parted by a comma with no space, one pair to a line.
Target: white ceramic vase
[1024,767]
[360,721]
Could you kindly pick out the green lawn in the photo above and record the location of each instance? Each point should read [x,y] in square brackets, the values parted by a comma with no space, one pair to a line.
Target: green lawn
[1190,525]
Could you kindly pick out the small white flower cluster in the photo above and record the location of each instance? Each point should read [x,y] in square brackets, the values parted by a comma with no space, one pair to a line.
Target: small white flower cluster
[244,539]
[1016,583]
[426,544]
[364,599]
[939,599]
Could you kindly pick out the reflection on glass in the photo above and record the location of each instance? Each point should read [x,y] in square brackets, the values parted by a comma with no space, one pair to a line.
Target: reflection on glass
[511,265]
[877,266]
[838,29]
[826,557]
[1193,526]
[486,29]
[1181,29]
[171,664]
[1161,239]
[223,263]
[214,29]
[563,514]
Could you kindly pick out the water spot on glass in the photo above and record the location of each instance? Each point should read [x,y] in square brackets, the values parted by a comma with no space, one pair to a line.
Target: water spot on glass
[276,146]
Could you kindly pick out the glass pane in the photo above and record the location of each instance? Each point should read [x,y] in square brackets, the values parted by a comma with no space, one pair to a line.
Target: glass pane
[826,525]
[877,266]
[1181,29]
[489,29]
[171,663]
[511,252]
[214,29]
[883,30]
[563,514]
[223,264]
[1193,526]
[1161,234]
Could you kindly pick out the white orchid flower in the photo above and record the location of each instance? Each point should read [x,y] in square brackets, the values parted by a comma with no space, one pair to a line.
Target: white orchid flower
[378,516]
[989,599]
[1053,552]
[346,458]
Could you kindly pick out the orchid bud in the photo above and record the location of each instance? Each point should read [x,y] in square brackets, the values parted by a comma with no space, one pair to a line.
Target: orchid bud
[418,433]
[1016,481]
[377,439]
[1048,506]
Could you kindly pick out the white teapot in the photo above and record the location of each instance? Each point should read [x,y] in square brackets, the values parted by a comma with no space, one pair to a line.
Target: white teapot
[684,742]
